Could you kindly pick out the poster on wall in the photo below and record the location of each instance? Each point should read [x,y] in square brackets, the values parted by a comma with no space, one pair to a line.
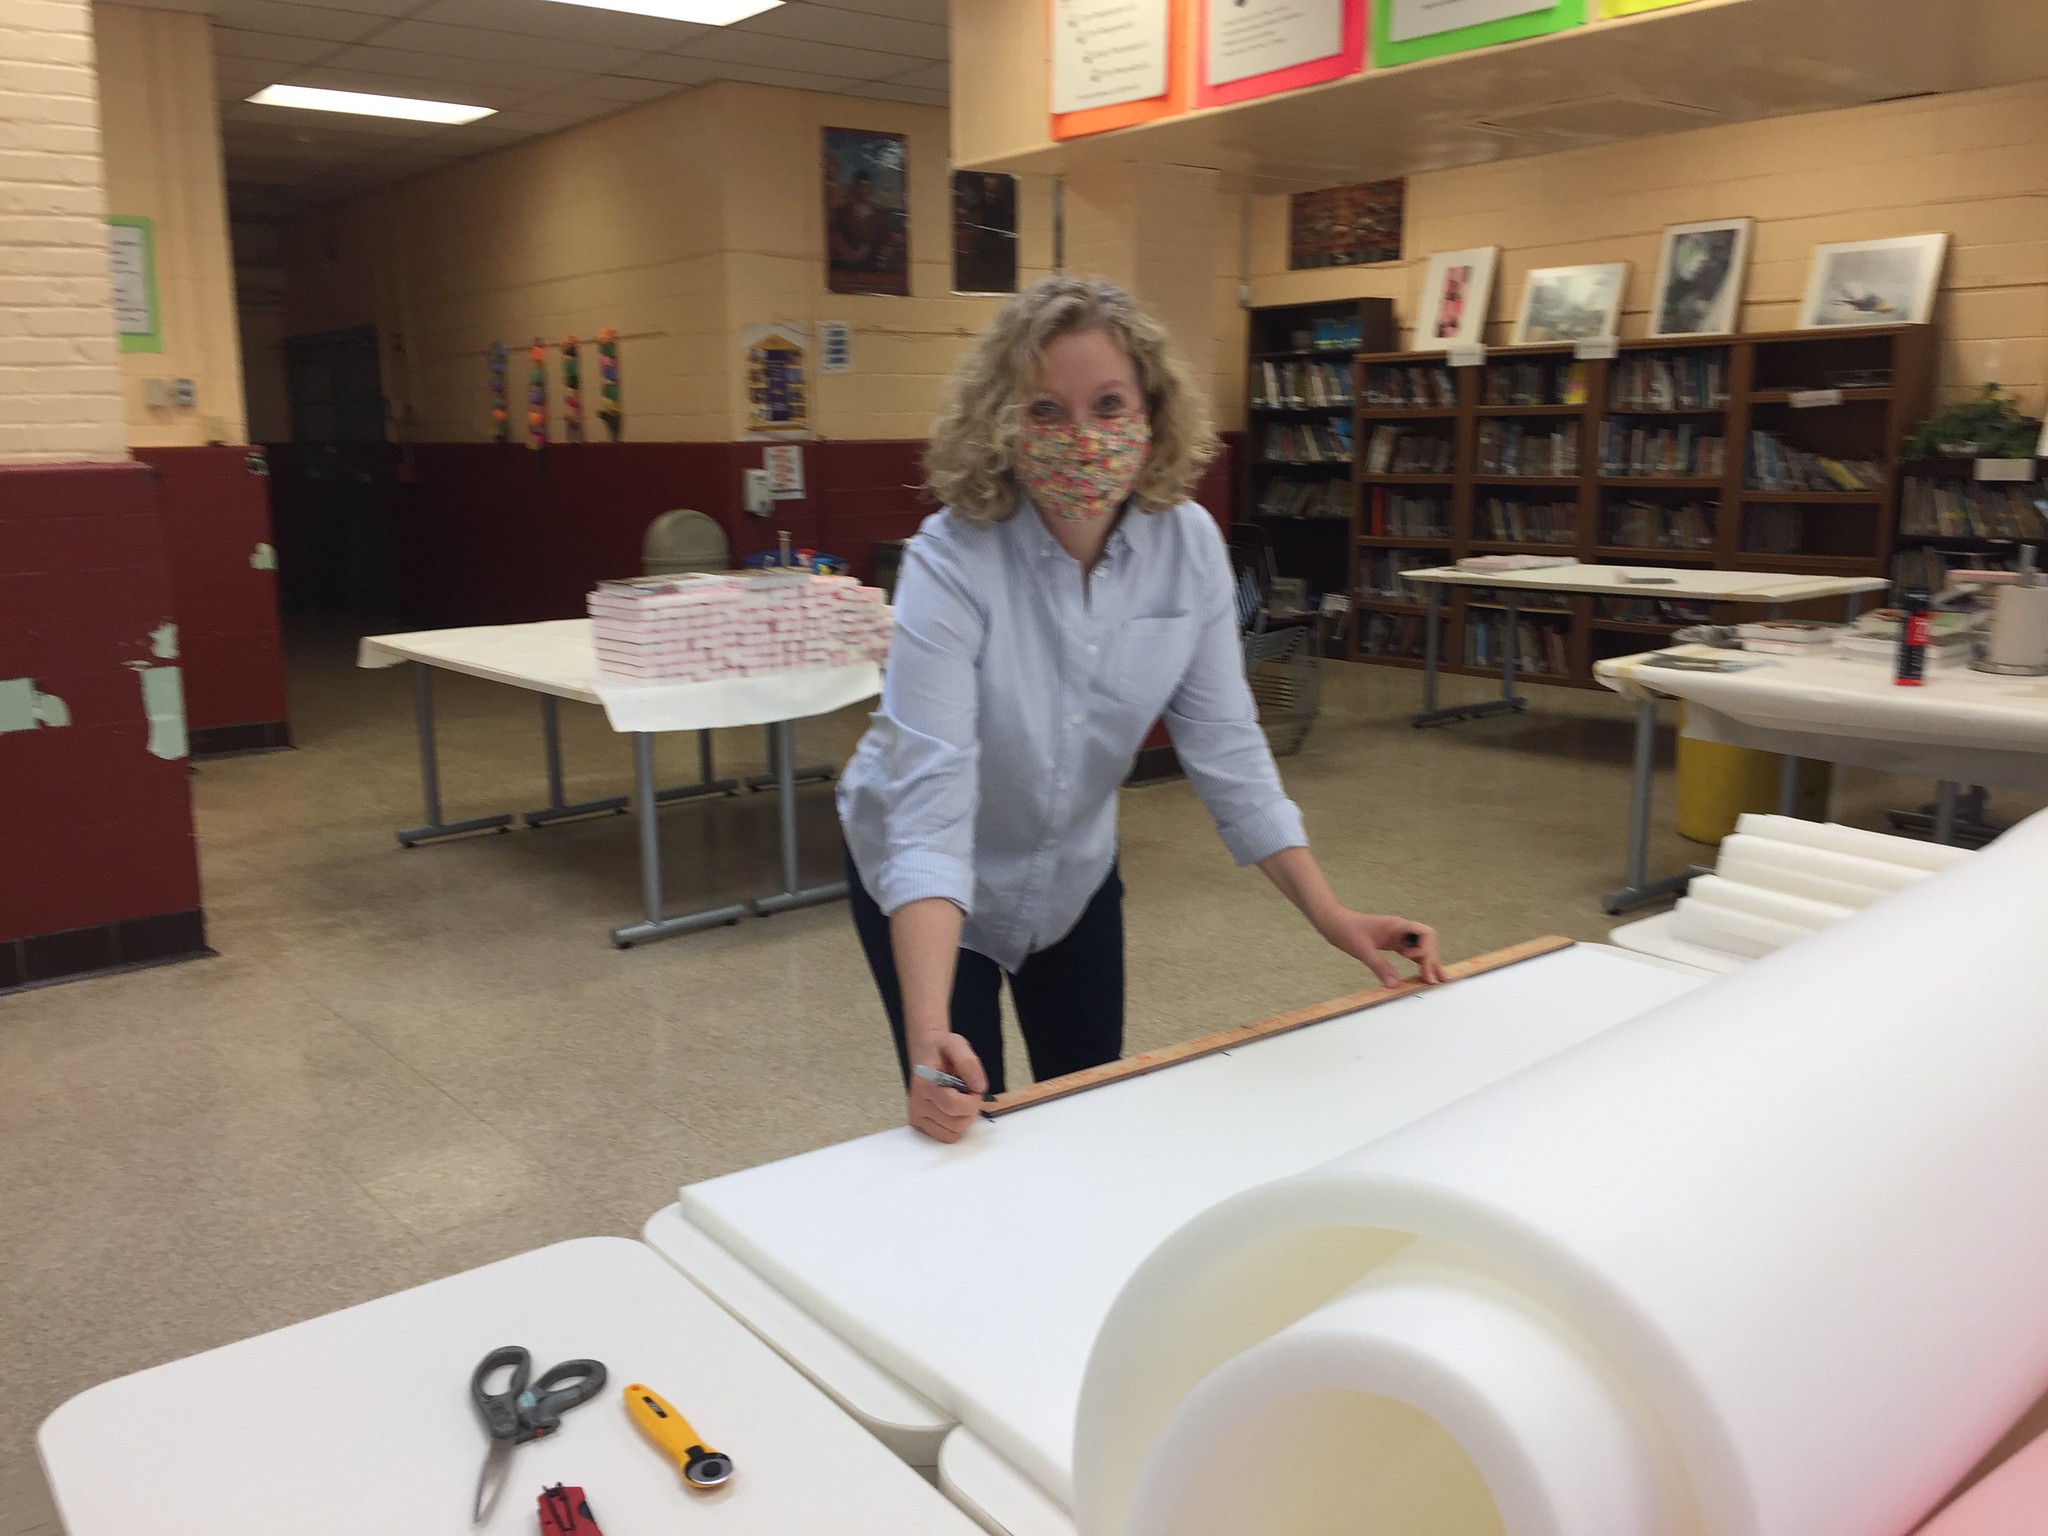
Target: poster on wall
[1406,30]
[131,264]
[984,232]
[1699,278]
[1873,282]
[1251,48]
[1355,226]
[1611,8]
[867,212]
[1457,292]
[778,395]
[1571,303]
[1115,63]
[785,465]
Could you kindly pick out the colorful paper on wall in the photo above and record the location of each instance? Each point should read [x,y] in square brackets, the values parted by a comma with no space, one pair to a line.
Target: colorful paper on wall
[1637,7]
[1406,30]
[131,263]
[778,398]
[1251,48]
[1116,63]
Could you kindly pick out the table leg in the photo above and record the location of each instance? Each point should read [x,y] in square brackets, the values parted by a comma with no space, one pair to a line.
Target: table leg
[1972,826]
[430,772]
[555,810]
[1432,645]
[647,806]
[1945,812]
[783,755]
[1638,890]
[1507,703]
[1511,648]
[772,779]
[1788,785]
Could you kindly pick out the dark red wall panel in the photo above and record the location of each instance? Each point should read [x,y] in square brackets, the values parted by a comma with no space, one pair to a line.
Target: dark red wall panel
[95,829]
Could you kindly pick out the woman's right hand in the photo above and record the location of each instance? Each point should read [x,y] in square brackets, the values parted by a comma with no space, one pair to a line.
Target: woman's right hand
[944,1114]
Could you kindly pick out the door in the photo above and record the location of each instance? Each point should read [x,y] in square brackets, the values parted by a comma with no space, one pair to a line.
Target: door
[335,536]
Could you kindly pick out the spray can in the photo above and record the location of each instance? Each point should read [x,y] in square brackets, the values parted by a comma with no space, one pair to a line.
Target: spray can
[1912,667]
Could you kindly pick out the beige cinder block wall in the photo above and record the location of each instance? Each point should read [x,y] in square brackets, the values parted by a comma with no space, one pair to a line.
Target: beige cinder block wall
[60,382]
[161,127]
[1974,165]
[675,223]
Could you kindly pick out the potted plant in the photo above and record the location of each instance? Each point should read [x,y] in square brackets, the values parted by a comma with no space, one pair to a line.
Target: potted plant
[1988,425]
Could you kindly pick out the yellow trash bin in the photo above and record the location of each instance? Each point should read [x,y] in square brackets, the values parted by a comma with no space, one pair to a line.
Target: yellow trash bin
[1717,783]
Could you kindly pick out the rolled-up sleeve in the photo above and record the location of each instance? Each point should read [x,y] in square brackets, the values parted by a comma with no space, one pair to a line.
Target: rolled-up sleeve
[929,721]
[1214,722]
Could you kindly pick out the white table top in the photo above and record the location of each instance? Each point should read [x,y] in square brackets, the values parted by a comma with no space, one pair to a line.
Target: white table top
[1680,581]
[361,1422]
[557,656]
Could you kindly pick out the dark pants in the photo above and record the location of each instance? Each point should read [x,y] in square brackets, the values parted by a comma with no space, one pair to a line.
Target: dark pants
[1069,998]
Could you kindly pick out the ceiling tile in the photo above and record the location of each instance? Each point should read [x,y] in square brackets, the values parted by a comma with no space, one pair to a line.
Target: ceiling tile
[575,23]
[318,21]
[828,60]
[625,89]
[502,47]
[852,29]
[794,79]
[932,12]
[297,119]
[201,7]
[927,77]
[574,106]
[499,83]
[269,47]
[670,69]
[895,90]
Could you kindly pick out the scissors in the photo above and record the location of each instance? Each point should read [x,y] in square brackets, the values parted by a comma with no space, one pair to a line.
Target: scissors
[520,1411]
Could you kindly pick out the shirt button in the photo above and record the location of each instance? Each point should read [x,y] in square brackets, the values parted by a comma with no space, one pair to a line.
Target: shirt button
[1073,719]
[1092,650]
[1059,783]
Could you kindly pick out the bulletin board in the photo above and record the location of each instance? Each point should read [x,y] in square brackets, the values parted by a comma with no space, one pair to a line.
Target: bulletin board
[1117,63]
[1251,48]
[1406,30]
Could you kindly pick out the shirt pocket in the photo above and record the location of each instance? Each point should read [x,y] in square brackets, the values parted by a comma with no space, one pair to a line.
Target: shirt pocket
[1152,656]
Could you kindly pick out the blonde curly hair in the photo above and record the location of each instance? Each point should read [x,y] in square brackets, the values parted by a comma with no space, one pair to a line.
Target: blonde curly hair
[969,457]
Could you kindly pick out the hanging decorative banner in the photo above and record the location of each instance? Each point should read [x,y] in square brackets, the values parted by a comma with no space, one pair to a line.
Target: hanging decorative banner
[1253,48]
[778,398]
[1611,8]
[1115,63]
[537,395]
[1406,30]
[608,382]
[501,413]
[572,391]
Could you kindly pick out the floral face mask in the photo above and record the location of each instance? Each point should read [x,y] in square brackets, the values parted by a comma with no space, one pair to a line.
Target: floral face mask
[1083,472]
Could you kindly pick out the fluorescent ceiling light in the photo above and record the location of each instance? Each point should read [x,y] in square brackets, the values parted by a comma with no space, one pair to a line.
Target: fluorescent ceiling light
[706,13]
[365,105]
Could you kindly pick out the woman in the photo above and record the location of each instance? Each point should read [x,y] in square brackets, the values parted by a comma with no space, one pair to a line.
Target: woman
[1068,597]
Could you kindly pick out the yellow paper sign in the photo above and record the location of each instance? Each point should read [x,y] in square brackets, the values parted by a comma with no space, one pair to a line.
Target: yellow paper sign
[1613,8]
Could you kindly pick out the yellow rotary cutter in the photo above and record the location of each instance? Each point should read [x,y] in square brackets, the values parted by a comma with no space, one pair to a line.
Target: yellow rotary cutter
[702,1467]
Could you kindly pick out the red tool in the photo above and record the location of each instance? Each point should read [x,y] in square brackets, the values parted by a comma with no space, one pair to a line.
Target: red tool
[565,1512]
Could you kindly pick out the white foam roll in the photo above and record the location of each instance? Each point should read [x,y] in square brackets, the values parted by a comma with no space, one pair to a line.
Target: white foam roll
[2019,627]
[1731,931]
[1874,874]
[1719,891]
[1881,846]
[1764,874]
[1793,1217]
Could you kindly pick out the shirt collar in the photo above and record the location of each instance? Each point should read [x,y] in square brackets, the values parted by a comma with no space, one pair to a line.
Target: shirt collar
[1038,540]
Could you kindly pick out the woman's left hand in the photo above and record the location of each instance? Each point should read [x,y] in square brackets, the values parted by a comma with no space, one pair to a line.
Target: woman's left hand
[1370,937]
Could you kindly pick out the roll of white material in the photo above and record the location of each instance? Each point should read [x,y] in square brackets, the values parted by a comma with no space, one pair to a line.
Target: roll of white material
[1731,931]
[1881,846]
[1765,873]
[1791,1221]
[1777,906]
[1873,874]
[2019,628]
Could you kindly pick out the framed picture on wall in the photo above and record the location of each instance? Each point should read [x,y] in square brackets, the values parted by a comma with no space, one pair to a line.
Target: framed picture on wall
[1457,289]
[1874,282]
[867,212]
[1699,278]
[1571,303]
[1351,226]
[984,232]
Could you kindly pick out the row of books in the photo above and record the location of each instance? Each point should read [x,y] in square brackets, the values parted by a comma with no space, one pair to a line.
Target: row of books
[1302,386]
[1326,442]
[1334,335]
[1394,452]
[1652,525]
[1536,384]
[1961,509]
[1772,531]
[1503,520]
[1651,610]
[1775,465]
[1930,569]
[1391,634]
[1668,382]
[1539,648]
[1414,385]
[1626,449]
[1391,514]
[1510,448]
[1326,498]
[1526,600]
[1379,571]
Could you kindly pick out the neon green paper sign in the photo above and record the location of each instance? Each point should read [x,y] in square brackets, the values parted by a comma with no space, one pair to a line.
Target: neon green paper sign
[1613,8]
[131,263]
[1406,30]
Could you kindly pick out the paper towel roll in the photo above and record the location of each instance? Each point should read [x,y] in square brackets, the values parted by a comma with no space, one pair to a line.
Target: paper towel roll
[1880,846]
[2019,628]
[1791,1221]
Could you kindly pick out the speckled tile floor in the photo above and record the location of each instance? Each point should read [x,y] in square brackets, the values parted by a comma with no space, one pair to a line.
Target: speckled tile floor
[404,1064]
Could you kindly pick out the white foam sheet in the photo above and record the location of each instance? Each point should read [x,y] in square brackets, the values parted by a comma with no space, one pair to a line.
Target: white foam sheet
[1883,846]
[978,1274]
[1779,1241]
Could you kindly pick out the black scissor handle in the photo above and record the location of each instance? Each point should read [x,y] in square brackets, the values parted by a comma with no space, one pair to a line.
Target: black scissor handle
[560,1389]
[501,1409]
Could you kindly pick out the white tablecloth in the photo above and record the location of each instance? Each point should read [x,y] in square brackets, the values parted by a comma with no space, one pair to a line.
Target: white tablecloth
[557,657]
[1971,727]
[1675,581]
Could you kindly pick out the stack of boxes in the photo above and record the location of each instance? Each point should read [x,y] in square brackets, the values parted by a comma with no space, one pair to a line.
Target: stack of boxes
[692,629]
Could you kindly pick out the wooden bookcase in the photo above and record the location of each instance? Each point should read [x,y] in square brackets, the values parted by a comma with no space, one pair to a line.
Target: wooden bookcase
[1982,537]
[1801,387]
[1316,549]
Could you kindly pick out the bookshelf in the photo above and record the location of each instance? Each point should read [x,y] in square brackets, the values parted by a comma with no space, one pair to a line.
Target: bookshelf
[1949,520]
[1763,452]
[1297,471]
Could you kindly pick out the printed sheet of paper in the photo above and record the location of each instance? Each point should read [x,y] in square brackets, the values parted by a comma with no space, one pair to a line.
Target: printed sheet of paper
[1410,19]
[1255,37]
[1108,52]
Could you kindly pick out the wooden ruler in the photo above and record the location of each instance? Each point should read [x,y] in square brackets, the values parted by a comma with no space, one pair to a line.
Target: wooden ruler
[1229,1039]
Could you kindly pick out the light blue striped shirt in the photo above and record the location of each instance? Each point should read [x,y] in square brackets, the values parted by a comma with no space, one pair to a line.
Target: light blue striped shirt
[1015,701]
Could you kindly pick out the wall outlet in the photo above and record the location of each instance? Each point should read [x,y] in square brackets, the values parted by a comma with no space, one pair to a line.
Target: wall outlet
[755,495]
[185,393]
